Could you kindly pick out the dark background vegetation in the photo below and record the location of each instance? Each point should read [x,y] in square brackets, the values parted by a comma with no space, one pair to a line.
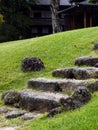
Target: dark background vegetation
[17,22]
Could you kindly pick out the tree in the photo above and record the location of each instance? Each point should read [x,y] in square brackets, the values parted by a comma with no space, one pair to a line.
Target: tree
[54,6]
[93,1]
[16,15]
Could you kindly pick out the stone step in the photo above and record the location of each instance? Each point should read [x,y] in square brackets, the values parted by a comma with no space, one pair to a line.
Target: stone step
[76,73]
[56,85]
[14,114]
[31,115]
[87,60]
[39,101]
[23,114]
[3,110]
[8,128]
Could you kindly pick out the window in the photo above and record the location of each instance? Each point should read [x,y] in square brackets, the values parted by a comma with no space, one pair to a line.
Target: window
[37,14]
[62,15]
[45,30]
[34,30]
[31,14]
[46,14]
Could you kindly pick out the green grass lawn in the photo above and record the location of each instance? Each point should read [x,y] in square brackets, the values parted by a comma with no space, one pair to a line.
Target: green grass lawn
[56,51]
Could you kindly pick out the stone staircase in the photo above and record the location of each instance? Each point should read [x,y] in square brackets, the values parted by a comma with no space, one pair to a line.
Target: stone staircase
[70,91]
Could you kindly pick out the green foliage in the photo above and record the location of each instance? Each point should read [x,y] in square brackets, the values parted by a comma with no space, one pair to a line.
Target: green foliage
[8,32]
[78,1]
[93,1]
[22,22]
[16,13]
[1,18]
[56,51]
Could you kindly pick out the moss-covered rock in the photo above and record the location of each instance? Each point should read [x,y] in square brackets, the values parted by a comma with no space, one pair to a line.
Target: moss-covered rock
[11,97]
[80,96]
[32,64]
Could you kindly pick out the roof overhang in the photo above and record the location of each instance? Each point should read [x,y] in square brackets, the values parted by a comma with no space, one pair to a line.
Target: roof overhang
[88,3]
[62,3]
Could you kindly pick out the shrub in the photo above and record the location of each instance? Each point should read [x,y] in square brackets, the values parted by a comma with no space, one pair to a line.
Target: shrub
[8,32]
[93,1]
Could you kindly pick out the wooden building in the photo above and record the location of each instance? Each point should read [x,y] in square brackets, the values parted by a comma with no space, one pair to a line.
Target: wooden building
[86,15]
[82,16]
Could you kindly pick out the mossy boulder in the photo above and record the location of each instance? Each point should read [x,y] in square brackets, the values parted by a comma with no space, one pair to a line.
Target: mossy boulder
[11,98]
[80,96]
[30,64]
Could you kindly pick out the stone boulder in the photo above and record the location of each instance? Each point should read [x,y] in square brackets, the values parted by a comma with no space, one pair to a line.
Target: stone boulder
[93,87]
[82,94]
[55,111]
[11,98]
[96,65]
[79,97]
[76,73]
[41,102]
[96,46]
[68,103]
[30,64]
[86,60]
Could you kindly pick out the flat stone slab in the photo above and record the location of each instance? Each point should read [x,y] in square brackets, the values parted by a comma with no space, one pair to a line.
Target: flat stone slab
[8,128]
[14,114]
[29,116]
[56,85]
[3,110]
[41,102]
[76,73]
[86,60]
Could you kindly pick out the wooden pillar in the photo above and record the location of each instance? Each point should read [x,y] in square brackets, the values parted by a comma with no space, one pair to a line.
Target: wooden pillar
[90,20]
[73,21]
[85,19]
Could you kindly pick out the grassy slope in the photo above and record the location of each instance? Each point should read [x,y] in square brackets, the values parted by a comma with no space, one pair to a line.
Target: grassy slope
[56,51]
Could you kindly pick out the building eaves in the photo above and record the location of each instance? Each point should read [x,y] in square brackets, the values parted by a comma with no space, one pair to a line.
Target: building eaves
[47,2]
[62,3]
[89,4]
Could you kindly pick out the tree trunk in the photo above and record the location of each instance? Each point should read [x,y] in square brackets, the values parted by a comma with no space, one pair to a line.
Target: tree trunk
[54,6]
